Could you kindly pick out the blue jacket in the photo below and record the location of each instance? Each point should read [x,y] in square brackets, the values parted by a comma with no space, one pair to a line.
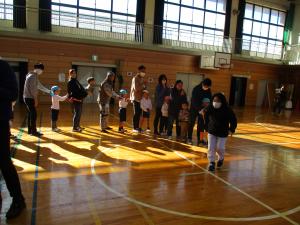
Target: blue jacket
[8,90]
[160,93]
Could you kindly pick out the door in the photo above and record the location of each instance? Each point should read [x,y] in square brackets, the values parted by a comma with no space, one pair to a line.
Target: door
[238,91]
[99,73]
[261,93]
[189,82]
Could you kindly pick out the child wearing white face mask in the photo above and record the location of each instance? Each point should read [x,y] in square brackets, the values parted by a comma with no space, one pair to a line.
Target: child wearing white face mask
[220,121]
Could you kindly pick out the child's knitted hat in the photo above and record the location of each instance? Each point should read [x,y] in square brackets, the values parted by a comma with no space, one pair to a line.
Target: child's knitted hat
[53,89]
[123,92]
[206,100]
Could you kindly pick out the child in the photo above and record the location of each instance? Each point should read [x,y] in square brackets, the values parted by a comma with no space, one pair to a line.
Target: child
[184,115]
[220,121]
[163,126]
[123,102]
[55,90]
[146,107]
[201,134]
[91,86]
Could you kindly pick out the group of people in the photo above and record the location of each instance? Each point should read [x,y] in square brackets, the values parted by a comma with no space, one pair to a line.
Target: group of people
[215,119]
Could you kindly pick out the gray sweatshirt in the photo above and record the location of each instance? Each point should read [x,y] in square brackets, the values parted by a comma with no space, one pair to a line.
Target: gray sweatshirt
[31,86]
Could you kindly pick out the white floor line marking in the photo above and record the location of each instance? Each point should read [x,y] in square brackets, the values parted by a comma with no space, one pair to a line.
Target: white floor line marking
[177,213]
[191,174]
[241,191]
[269,128]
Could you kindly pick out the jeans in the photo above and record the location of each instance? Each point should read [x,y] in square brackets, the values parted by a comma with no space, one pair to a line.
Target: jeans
[163,125]
[136,115]
[8,170]
[216,145]
[171,120]
[104,112]
[157,119]
[32,114]
[77,109]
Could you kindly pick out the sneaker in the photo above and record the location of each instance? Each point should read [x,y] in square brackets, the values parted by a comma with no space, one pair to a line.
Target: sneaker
[56,129]
[121,130]
[81,128]
[108,128]
[190,142]
[148,130]
[170,137]
[135,131]
[76,129]
[104,131]
[15,209]
[211,167]
[36,134]
[220,163]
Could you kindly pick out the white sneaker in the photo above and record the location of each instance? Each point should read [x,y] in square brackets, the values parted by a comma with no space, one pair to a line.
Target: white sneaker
[148,130]
[56,129]
[170,137]
[135,131]
[190,142]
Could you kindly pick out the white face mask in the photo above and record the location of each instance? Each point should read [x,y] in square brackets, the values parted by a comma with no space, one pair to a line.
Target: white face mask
[205,88]
[38,71]
[217,105]
[142,74]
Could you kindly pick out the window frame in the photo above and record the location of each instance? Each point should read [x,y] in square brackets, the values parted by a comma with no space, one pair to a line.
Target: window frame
[250,36]
[94,11]
[6,7]
[192,24]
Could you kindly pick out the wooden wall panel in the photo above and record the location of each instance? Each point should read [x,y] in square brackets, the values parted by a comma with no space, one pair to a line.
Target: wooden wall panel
[58,57]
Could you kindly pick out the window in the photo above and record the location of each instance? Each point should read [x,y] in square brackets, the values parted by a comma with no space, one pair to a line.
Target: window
[263,30]
[113,15]
[196,21]
[6,9]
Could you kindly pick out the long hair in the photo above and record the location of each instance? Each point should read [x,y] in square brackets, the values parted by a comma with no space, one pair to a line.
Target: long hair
[222,97]
[161,78]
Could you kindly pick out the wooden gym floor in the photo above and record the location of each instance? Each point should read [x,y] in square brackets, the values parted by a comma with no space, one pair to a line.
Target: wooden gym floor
[125,179]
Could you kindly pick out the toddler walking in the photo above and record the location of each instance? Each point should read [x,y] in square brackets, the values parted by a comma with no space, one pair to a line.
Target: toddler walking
[123,103]
[55,90]
[146,107]
[184,115]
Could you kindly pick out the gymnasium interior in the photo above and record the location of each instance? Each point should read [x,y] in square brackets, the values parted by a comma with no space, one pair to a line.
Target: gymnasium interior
[248,48]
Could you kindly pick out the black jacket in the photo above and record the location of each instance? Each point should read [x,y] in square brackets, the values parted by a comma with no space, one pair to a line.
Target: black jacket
[76,90]
[177,98]
[8,90]
[219,121]
[198,94]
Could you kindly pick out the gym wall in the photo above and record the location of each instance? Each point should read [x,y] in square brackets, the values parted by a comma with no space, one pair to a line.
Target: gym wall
[58,57]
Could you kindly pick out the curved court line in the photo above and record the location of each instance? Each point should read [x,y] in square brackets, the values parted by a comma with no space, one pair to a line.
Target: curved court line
[177,213]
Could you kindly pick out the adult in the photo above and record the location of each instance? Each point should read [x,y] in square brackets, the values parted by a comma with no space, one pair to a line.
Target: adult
[136,93]
[8,94]
[162,90]
[76,95]
[178,96]
[200,92]
[30,96]
[280,99]
[106,92]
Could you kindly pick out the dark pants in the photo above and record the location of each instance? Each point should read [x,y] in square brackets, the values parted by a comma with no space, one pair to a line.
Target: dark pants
[200,126]
[32,114]
[163,125]
[136,114]
[157,119]
[194,114]
[278,106]
[77,109]
[171,120]
[7,168]
[54,115]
